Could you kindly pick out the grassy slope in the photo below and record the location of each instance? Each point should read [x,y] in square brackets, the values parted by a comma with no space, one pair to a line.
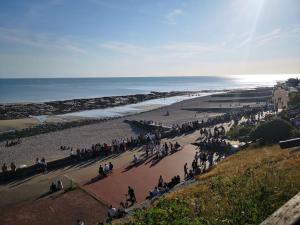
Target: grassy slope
[243,189]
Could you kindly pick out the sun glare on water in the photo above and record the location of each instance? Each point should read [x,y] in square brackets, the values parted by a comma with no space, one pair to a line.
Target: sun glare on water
[263,79]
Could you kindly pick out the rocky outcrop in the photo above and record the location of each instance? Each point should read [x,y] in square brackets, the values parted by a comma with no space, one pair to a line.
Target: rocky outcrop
[23,110]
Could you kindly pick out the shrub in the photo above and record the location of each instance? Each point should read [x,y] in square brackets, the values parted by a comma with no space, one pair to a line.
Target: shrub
[294,99]
[166,212]
[239,131]
[296,133]
[272,131]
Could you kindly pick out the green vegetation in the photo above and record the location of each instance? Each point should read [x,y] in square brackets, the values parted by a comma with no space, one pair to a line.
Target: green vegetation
[237,132]
[167,211]
[272,131]
[243,189]
[294,99]
[296,133]
[268,132]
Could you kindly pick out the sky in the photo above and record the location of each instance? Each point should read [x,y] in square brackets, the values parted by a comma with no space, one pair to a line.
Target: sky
[90,38]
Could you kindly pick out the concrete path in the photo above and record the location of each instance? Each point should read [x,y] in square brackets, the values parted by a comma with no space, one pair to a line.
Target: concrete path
[142,178]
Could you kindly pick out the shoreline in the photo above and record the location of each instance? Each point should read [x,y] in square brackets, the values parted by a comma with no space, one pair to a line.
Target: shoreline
[12,111]
[9,111]
[123,110]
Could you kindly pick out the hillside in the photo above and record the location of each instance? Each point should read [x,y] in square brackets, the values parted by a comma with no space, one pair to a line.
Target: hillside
[245,188]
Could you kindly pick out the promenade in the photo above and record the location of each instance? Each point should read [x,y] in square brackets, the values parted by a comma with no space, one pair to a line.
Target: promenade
[142,178]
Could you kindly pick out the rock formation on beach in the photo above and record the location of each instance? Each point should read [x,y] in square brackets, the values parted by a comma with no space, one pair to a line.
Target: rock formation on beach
[23,110]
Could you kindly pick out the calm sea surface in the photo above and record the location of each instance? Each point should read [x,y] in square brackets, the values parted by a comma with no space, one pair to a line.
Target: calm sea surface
[48,89]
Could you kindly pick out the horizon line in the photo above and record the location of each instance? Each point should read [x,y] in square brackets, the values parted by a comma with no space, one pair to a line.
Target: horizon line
[147,76]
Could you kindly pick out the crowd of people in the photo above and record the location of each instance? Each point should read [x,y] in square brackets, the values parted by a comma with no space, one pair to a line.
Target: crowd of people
[12,167]
[163,187]
[198,166]
[246,112]
[13,142]
[123,144]
[161,150]
[235,116]
[202,161]
[213,140]
[255,119]
[105,149]
[40,165]
[96,150]
[153,147]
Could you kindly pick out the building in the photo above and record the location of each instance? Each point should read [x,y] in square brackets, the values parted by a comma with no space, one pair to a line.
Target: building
[282,92]
[280,96]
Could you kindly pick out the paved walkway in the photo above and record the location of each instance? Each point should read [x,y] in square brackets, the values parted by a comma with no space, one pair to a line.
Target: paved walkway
[26,197]
[142,178]
[56,209]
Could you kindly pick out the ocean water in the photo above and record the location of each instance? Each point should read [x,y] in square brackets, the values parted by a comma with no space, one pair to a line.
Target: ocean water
[50,89]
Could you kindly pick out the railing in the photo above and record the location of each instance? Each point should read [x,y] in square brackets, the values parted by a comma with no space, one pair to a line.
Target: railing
[35,169]
[288,214]
[290,143]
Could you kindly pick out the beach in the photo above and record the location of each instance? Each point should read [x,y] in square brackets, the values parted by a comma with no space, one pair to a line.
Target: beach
[48,145]
[86,188]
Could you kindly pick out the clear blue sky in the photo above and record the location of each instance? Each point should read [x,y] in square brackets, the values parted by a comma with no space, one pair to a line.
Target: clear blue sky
[148,37]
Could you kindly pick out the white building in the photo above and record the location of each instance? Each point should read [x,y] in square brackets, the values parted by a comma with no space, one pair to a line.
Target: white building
[280,96]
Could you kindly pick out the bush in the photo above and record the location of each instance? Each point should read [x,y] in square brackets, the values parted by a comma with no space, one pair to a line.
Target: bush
[239,131]
[296,133]
[294,99]
[166,212]
[272,131]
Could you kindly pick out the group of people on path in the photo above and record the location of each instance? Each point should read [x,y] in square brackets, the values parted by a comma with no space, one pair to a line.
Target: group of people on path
[248,113]
[12,167]
[130,200]
[163,187]
[54,187]
[13,142]
[105,170]
[102,150]
[161,150]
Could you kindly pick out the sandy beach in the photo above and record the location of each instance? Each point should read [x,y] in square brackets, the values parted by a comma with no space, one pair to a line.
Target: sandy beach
[17,124]
[48,145]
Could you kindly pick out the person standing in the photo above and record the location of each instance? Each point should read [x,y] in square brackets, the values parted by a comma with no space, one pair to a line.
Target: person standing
[131,195]
[185,168]
[160,181]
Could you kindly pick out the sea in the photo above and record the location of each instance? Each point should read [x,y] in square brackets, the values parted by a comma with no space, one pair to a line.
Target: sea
[51,89]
